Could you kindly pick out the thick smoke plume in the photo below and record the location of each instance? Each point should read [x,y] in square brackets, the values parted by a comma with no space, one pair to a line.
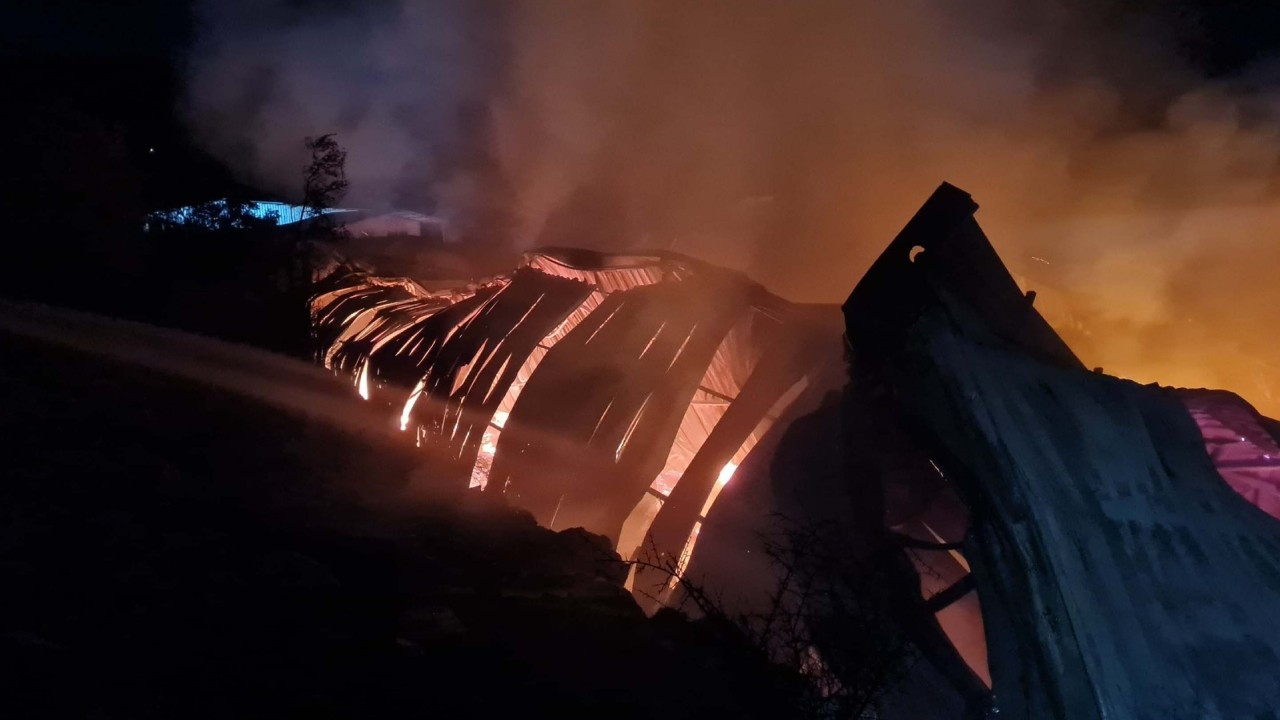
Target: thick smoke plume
[792,140]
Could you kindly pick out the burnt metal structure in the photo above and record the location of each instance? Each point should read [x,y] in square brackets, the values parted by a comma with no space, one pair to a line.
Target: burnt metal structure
[1122,539]
[599,391]
[1120,577]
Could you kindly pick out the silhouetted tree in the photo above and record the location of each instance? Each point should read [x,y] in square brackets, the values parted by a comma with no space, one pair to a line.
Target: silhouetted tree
[828,627]
[324,182]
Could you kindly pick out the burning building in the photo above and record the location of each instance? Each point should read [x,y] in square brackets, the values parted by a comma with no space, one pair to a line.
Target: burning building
[607,392]
[1122,539]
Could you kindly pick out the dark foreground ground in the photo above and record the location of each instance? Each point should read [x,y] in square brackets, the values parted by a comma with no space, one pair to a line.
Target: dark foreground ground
[172,551]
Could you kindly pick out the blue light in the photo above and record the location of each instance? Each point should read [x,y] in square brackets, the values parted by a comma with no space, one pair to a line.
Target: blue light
[283,213]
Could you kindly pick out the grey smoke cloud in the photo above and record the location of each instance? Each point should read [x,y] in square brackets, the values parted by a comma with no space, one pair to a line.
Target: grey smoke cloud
[391,78]
[791,140]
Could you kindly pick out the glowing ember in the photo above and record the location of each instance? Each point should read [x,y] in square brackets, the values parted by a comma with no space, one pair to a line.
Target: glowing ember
[364,381]
[685,555]
[484,459]
[408,406]
[488,446]
[726,473]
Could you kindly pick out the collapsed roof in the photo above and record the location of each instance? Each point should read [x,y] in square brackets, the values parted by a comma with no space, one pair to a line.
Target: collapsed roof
[608,392]
[1118,575]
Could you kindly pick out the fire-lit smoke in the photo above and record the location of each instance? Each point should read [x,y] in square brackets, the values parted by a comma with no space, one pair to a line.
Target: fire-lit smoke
[792,140]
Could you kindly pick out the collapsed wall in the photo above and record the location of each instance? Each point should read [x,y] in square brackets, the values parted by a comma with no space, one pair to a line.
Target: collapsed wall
[1119,575]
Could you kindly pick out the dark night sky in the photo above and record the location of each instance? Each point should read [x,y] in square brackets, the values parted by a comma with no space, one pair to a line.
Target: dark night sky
[1223,35]
[74,28]
[119,65]
[122,62]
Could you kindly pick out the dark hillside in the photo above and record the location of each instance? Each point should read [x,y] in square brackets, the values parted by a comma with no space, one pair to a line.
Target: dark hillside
[173,551]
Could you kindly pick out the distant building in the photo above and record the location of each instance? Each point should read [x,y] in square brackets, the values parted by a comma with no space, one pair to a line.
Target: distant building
[368,223]
[357,221]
